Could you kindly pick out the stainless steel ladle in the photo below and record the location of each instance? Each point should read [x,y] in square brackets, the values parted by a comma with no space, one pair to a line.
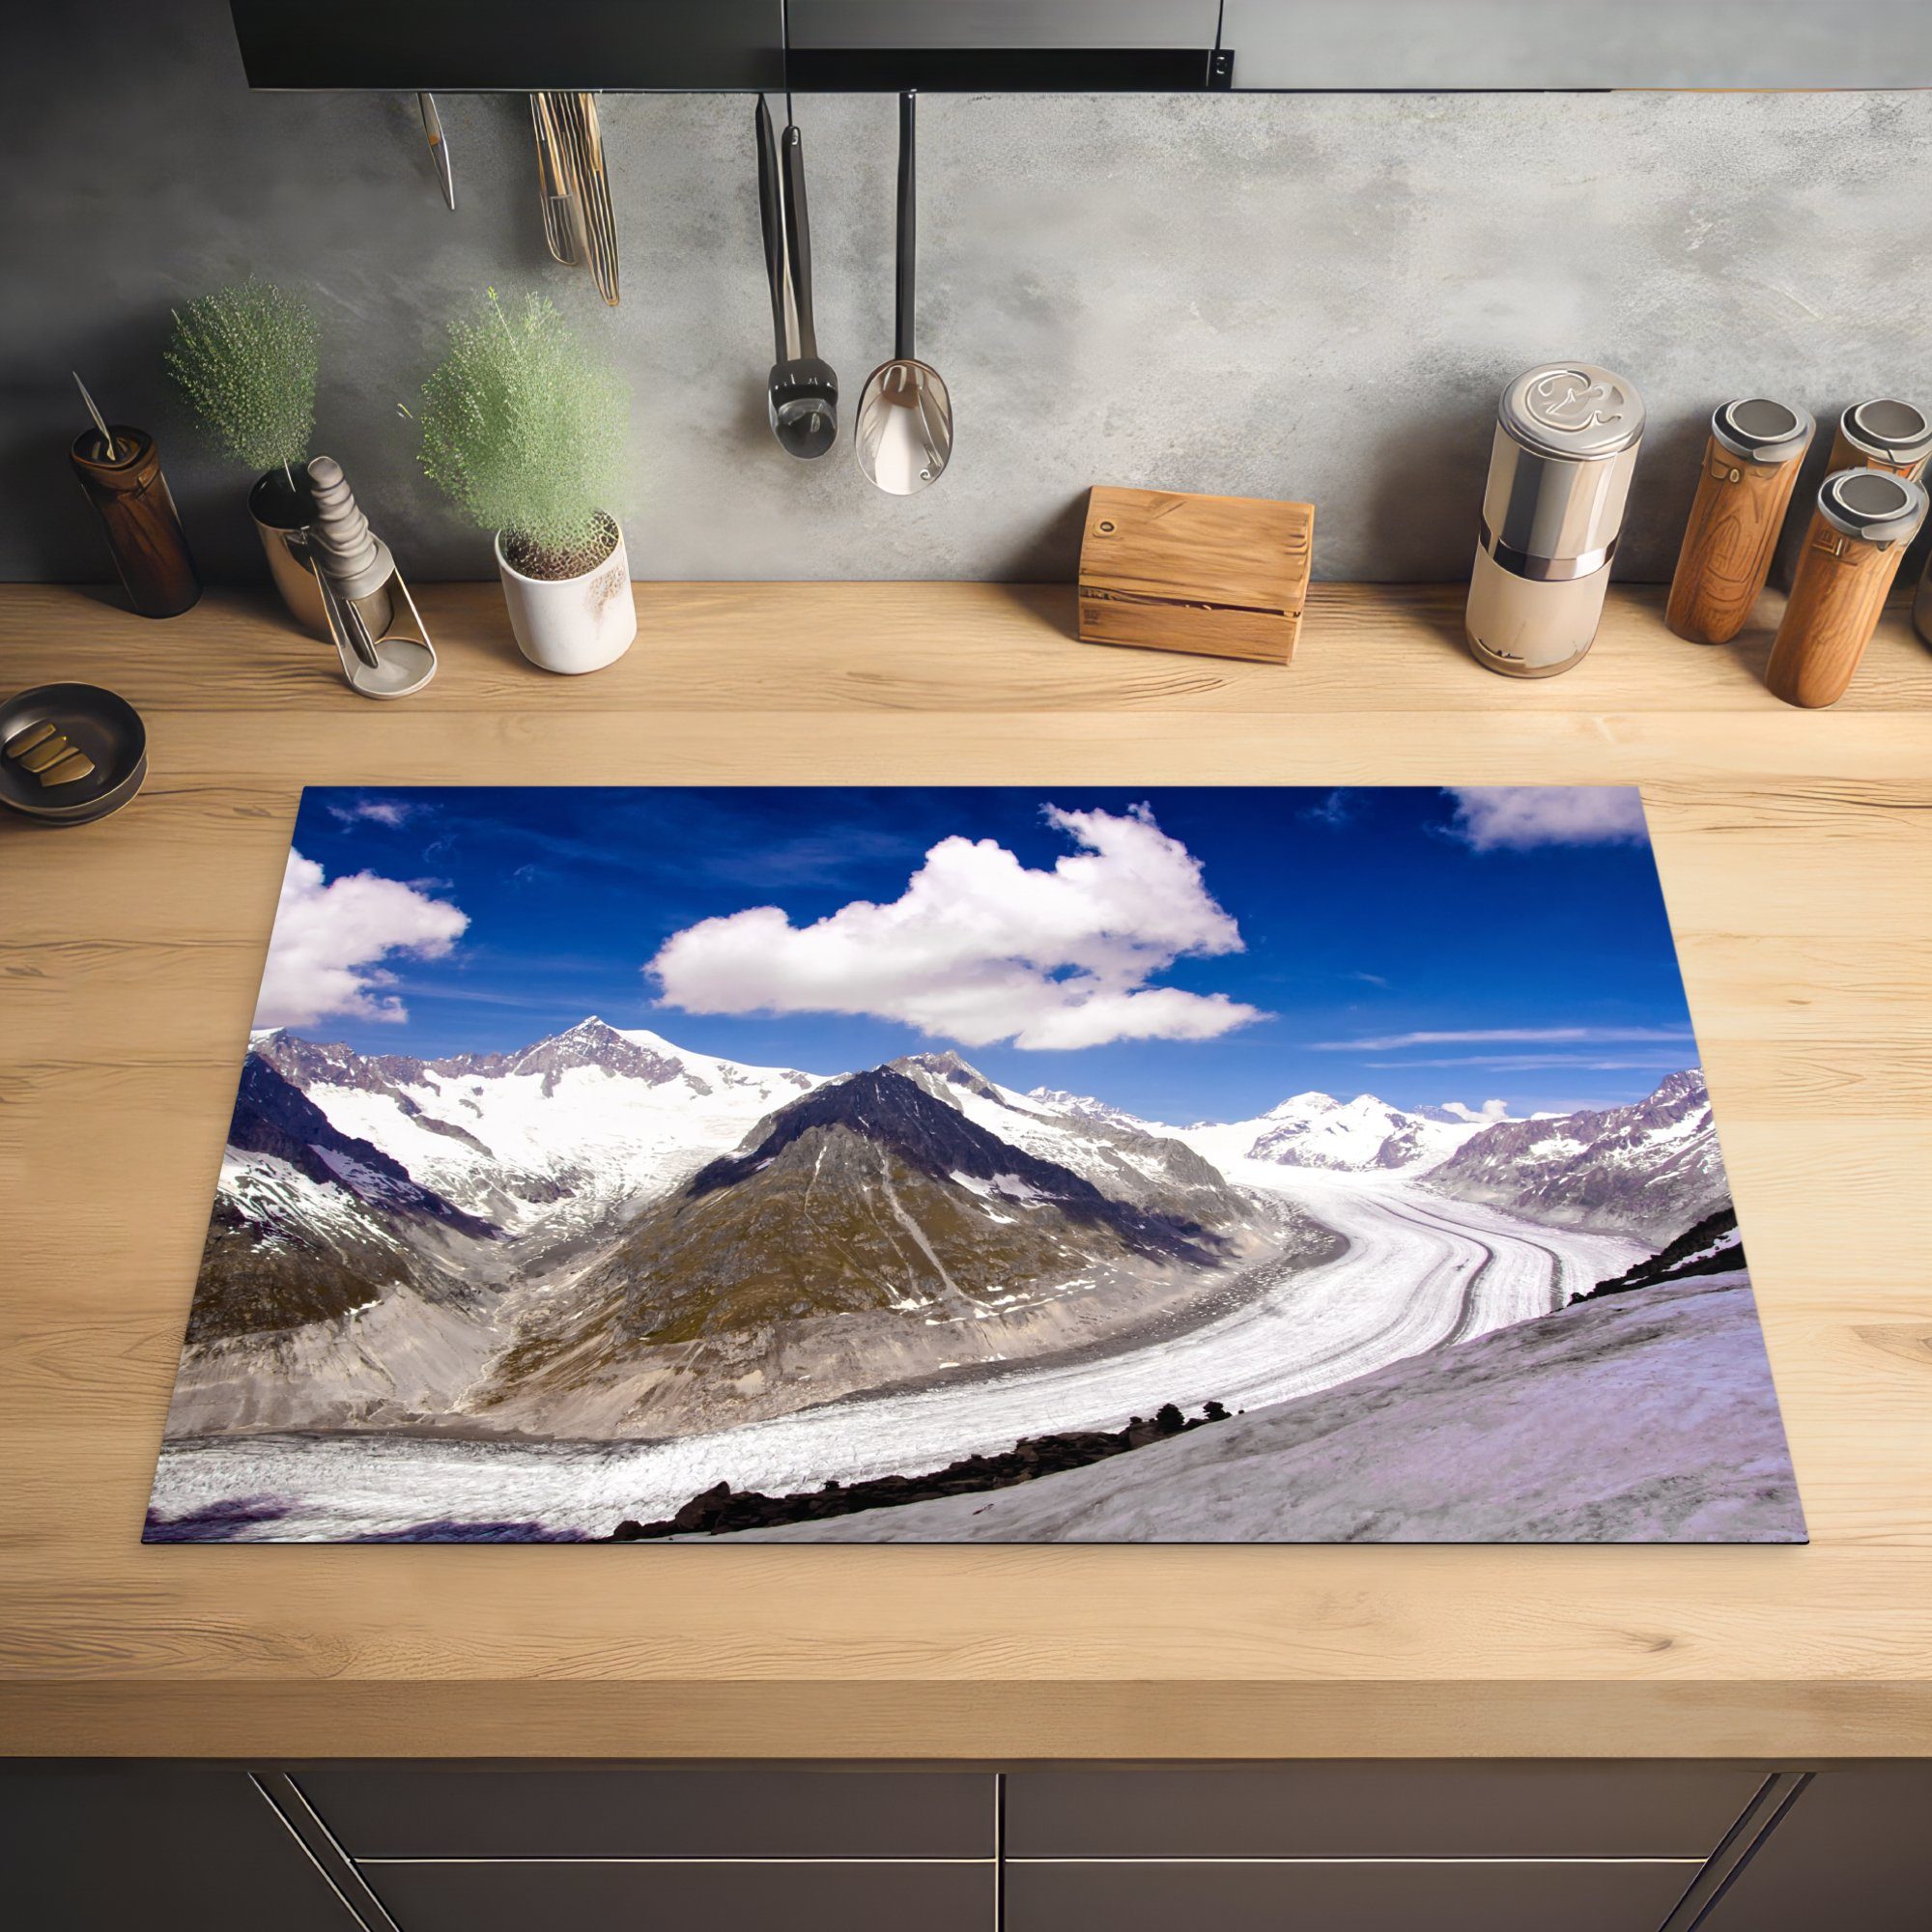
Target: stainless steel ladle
[903,432]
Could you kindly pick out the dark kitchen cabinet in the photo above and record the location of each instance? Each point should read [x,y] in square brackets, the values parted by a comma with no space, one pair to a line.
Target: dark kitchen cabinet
[1854,1850]
[154,1848]
[485,45]
[1390,1847]
[660,1897]
[1366,1810]
[1517,1896]
[458,1811]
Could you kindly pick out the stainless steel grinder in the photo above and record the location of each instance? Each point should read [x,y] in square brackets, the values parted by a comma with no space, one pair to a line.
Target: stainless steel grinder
[1567,438]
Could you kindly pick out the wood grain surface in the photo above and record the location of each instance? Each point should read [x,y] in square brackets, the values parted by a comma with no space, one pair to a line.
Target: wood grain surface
[1728,542]
[1836,602]
[1222,576]
[1796,851]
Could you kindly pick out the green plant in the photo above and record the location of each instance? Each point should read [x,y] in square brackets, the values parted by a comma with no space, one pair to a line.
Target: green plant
[524,429]
[245,359]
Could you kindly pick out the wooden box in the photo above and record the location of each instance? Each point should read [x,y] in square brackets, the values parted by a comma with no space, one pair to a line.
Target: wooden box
[1226,576]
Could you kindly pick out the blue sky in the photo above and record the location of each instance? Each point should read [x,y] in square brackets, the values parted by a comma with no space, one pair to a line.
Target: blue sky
[1410,943]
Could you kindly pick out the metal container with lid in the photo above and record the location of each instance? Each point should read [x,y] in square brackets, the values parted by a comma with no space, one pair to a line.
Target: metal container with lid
[1566,443]
[1864,521]
[1883,435]
[1751,467]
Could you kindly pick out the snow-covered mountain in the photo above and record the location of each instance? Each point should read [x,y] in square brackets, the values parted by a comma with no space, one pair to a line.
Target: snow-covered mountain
[1651,1169]
[617,1235]
[550,1140]
[1359,1136]
[890,1225]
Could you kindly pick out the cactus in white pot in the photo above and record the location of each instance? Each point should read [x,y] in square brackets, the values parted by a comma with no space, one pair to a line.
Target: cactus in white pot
[525,428]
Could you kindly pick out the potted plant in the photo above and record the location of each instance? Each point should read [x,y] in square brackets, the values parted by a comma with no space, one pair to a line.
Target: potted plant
[245,357]
[524,428]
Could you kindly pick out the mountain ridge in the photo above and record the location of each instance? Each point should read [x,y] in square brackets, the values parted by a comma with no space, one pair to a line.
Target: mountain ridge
[1650,1167]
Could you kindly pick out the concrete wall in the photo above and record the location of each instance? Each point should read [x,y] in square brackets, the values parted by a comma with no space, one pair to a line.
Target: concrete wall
[1313,295]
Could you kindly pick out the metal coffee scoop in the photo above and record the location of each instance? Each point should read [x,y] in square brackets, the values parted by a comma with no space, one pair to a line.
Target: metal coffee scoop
[903,434]
[384,650]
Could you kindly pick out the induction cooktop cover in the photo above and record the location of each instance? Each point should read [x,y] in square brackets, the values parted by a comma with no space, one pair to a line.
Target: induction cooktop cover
[1048,1164]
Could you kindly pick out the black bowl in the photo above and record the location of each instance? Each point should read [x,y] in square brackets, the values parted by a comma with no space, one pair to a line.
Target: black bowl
[106,728]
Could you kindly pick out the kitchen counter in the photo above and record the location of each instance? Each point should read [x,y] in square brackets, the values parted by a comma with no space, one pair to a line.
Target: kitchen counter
[1796,852]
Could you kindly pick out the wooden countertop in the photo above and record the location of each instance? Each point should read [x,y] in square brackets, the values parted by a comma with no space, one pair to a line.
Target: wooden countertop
[1796,850]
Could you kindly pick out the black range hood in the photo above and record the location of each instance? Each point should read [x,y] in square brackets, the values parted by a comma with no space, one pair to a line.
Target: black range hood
[822,47]
[1079,46]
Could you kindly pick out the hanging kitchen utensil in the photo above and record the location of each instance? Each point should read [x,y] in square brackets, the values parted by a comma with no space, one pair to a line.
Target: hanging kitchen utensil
[583,143]
[439,148]
[903,434]
[562,217]
[802,392]
[578,222]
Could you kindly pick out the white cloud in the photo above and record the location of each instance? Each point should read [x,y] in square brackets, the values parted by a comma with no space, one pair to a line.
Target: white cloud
[981,947]
[325,957]
[1513,818]
[1575,1036]
[391,811]
[1489,1110]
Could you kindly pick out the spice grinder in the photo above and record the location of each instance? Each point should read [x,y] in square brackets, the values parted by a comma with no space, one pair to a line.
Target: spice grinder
[1566,443]
[1751,467]
[1883,435]
[1862,523]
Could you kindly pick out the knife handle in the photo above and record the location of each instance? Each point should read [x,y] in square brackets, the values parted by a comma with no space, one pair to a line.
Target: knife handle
[798,243]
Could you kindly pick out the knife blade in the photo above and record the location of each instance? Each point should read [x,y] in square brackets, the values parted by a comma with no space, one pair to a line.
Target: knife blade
[439,148]
[583,143]
[564,226]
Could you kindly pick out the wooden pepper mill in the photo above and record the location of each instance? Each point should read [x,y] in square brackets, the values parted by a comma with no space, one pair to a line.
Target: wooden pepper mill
[122,476]
[1863,521]
[1883,435]
[1751,468]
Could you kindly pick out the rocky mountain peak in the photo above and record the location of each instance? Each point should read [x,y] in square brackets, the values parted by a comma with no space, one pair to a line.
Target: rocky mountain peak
[937,1071]
[1298,1105]
[595,1042]
[1680,1092]
[274,1117]
[1649,1168]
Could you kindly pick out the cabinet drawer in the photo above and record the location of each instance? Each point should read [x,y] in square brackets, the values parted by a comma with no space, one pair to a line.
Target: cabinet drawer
[109,1847]
[1855,1851]
[462,1812]
[1521,1896]
[1377,1810]
[667,1897]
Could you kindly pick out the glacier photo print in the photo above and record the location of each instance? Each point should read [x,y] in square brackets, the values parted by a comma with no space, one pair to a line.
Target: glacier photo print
[1047,1164]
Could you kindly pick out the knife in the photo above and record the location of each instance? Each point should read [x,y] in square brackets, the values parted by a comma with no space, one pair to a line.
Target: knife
[439,148]
[562,221]
[583,143]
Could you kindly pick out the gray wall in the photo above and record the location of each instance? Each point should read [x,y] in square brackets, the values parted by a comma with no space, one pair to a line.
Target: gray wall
[1313,295]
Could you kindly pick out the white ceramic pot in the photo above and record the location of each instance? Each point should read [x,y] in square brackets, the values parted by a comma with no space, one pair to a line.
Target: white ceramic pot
[572,624]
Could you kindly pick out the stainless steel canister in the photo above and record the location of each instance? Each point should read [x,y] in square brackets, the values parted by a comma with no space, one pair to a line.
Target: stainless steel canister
[1566,443]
